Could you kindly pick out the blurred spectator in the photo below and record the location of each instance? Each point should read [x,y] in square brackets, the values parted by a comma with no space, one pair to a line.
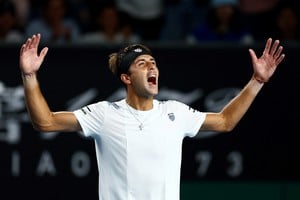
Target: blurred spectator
[80,10]
[260,15]
[53,23]
[8,26]
[146,17]
[22,13]
[257,6]
[181,17]
[108,28]
[222,24]
[287,27]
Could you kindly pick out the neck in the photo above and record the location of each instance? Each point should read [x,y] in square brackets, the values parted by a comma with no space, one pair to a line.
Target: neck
[139,103]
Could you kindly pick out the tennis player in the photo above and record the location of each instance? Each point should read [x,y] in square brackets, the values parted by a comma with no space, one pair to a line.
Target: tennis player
[139,139]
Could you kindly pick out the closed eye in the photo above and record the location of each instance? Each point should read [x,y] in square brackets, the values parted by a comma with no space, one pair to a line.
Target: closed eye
[141,64]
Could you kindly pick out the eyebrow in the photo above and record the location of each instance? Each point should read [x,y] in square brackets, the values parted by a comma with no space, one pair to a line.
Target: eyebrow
[143,59]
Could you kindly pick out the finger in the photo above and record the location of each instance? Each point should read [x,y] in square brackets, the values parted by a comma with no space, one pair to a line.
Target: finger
[33,42]
[274,47]
[27,44]
[36,40]
[22,49]
[253,55]
[43,52]
[279,60]
[268,46]
[278,52]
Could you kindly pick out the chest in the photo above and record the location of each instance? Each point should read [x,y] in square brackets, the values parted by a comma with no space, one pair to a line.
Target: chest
[149,134]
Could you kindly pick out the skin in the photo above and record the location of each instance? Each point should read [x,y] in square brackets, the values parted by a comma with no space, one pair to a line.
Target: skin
[140,92]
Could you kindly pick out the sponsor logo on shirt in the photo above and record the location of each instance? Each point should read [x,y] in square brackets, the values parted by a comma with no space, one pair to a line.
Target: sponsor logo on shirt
[171,116]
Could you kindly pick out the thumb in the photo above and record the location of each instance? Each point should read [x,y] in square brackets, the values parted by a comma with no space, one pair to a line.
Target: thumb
[253,55]
[43,53]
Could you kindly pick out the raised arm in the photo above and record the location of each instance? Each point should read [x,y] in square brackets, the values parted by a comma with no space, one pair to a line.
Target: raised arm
[263,68]
[43,119]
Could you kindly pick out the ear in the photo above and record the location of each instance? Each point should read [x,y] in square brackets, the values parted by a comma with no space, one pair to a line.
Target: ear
[125,79]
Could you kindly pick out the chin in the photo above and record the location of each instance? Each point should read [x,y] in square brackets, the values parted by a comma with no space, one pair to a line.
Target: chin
[152,94]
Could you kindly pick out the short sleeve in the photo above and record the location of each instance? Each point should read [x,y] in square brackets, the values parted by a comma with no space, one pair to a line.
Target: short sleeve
[191,119]
[91,118]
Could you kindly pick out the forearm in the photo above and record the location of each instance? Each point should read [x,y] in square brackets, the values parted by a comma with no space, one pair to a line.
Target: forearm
[238,106]
[37,106]
[42,118]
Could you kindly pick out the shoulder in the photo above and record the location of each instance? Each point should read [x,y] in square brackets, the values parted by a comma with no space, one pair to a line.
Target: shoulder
[177,106]
[100,107]
[172,104]
[108,104]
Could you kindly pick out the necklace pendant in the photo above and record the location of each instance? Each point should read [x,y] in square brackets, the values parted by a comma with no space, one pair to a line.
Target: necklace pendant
[141,127]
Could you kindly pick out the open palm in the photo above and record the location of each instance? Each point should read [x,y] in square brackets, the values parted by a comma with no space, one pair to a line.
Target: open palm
[30,60]
[265,66]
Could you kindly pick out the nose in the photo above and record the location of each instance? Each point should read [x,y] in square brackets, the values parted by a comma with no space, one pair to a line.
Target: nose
[151,65]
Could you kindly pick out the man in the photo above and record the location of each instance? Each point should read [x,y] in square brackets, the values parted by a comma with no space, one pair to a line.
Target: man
[138,139]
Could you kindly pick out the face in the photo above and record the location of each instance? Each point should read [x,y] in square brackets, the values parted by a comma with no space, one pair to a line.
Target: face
[143,74]
[287,20]
[108,19]
[55,11]
[224,13]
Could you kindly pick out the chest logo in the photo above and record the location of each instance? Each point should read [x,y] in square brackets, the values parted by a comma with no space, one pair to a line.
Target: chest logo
[171,116]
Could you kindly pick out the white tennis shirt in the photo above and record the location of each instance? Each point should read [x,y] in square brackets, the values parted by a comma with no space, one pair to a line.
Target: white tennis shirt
[134,163]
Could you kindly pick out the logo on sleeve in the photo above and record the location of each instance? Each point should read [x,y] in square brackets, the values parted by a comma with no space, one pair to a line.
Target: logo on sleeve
[116,106]
[85,111]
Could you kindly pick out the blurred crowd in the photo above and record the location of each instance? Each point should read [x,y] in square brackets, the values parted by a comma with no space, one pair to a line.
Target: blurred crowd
[108,22]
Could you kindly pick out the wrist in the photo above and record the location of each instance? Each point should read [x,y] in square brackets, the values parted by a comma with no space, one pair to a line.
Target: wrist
[29,79]
[259,80]
[28,75]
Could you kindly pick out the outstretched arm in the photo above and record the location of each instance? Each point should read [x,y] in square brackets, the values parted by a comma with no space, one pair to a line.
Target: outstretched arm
[43,119]
[263,68]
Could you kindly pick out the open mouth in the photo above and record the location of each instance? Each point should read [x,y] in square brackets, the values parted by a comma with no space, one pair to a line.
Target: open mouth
[152,79]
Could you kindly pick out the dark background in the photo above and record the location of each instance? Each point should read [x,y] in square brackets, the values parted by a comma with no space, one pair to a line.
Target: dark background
[266,138]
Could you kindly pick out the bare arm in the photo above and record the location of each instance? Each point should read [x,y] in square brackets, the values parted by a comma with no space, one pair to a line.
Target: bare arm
[43,119]
[264,67]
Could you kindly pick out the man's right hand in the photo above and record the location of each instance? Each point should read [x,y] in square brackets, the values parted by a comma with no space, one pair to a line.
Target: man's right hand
[30,60]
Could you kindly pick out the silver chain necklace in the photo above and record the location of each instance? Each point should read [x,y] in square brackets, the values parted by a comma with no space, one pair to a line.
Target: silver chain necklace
[141,125]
